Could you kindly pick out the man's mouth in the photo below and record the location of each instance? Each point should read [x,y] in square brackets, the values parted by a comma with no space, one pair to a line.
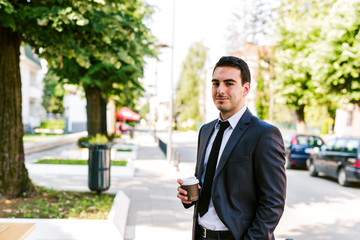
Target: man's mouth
[221,98]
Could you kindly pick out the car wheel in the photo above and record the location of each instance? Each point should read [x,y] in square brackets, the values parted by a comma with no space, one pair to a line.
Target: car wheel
[342,179]
[312,169]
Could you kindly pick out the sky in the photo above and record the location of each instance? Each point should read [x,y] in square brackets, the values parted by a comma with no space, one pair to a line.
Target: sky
[205,21]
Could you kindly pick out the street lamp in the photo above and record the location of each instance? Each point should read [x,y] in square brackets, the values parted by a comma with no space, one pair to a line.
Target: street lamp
[157,46]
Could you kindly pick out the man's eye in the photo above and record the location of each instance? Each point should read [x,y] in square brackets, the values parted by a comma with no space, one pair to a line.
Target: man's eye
[229,83]
[215,84]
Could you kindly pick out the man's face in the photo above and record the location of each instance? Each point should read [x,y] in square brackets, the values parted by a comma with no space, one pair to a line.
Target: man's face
[227,91]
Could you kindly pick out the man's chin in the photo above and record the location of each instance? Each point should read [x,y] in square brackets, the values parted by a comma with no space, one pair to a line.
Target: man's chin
[221,107]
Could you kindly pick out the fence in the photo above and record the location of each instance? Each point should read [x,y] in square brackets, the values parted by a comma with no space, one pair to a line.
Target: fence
[176,156]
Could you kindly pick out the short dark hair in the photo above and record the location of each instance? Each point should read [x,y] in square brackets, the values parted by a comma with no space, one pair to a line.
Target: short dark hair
[231,61]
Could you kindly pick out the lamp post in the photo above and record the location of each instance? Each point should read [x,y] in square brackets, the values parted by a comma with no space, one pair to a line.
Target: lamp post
[171,100]
[158,46]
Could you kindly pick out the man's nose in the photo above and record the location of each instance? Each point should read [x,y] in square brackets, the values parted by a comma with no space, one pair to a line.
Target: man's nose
[221,89]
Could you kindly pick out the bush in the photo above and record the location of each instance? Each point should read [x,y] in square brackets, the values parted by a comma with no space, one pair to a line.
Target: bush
[99,139]
[114,135]
[83,141]
[53,124]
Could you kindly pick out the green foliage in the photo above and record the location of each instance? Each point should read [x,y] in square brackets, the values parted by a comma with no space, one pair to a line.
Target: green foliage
[65,204]
[298,34]
[82,141]
[191,84]
[53,124]
[124,150]
[89,43]
[111,31]
[76,162]
[99,139]
[121,84]
[262,99]
[336,64]
[318,52]
[53,94]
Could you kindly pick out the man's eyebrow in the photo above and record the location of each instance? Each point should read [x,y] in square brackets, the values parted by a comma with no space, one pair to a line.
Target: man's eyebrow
[226,80]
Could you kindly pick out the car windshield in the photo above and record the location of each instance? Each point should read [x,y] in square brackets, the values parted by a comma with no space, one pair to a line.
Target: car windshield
[310,141]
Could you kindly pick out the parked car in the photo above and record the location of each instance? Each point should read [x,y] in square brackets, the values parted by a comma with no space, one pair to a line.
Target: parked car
[338,158]
[298,148]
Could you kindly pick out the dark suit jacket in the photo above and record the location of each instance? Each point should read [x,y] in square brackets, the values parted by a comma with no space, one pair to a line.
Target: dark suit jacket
[249,184]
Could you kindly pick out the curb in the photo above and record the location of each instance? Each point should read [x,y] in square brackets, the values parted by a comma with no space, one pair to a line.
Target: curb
[32,147]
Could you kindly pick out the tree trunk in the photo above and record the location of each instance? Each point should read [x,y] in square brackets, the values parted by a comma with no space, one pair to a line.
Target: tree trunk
[95,112]
[14,178]
[103,109]
[300,119]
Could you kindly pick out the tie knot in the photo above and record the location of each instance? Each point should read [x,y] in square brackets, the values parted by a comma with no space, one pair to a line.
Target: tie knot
[224,125]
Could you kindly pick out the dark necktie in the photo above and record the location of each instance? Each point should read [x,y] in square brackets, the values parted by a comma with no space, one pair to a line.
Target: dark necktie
[210,170]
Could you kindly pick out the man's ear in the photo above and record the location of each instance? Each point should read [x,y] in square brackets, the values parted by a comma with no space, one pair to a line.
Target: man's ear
[246,88]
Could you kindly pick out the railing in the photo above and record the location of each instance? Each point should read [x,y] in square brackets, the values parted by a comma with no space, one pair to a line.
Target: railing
[176,156]
[162,145]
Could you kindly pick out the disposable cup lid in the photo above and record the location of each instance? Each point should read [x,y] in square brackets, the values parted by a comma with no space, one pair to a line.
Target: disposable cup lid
[190,181]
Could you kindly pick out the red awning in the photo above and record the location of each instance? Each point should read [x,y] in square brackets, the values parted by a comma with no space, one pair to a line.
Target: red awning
[126,114]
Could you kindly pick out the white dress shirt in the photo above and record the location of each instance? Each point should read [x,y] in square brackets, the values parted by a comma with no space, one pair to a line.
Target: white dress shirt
[211,220]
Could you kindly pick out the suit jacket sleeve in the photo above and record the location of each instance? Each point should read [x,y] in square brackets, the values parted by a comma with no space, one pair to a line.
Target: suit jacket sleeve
[196,168]
[270,179]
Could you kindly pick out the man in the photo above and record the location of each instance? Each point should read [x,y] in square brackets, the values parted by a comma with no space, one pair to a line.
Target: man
[243,182]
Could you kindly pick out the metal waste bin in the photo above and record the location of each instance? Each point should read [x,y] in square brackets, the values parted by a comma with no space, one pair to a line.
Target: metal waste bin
[99,167]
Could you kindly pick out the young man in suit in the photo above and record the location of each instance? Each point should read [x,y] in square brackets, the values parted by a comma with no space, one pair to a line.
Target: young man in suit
[240,165]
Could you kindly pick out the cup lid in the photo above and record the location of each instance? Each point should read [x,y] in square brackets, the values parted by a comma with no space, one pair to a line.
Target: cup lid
[190,181]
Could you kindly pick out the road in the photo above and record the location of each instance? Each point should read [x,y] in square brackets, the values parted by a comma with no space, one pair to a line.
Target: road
[317,208]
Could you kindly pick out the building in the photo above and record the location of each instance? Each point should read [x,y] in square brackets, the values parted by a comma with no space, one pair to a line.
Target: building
[76,115]
[347,121]
[75,112]
[32,73]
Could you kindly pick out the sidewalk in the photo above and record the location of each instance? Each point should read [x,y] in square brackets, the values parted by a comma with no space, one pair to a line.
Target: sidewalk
[155,212]
[149,182]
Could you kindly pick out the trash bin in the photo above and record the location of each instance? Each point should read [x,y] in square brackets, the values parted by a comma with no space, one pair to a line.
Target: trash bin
[99,167]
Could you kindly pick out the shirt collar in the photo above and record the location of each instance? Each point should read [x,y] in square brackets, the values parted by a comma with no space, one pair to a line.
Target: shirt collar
[234,119]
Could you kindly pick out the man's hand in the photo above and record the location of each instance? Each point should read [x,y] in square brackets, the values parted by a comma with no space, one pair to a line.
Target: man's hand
[182,194]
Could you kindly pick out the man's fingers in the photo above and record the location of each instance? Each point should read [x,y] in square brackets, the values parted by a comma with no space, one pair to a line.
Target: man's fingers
[183,199]
[182,193]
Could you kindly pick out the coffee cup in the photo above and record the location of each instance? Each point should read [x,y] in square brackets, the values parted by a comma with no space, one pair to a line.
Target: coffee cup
[191,186]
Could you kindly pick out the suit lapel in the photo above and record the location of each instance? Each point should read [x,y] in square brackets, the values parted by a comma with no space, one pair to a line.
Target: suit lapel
[205,138]
[237,133]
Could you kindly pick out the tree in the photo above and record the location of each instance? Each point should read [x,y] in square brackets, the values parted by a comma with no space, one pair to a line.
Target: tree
[53,94]
[190,84]
[336,64]
[111,31]
[252,23]
[297,37]
[100,82]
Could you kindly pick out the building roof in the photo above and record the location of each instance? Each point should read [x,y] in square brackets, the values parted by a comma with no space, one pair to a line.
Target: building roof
[33,57]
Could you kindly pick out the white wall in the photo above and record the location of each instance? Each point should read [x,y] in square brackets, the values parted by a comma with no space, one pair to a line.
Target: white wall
[32,75]
[75,112]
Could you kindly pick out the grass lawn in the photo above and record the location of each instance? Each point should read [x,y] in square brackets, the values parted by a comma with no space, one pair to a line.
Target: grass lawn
[48,203]
[77,162]
[124,150]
